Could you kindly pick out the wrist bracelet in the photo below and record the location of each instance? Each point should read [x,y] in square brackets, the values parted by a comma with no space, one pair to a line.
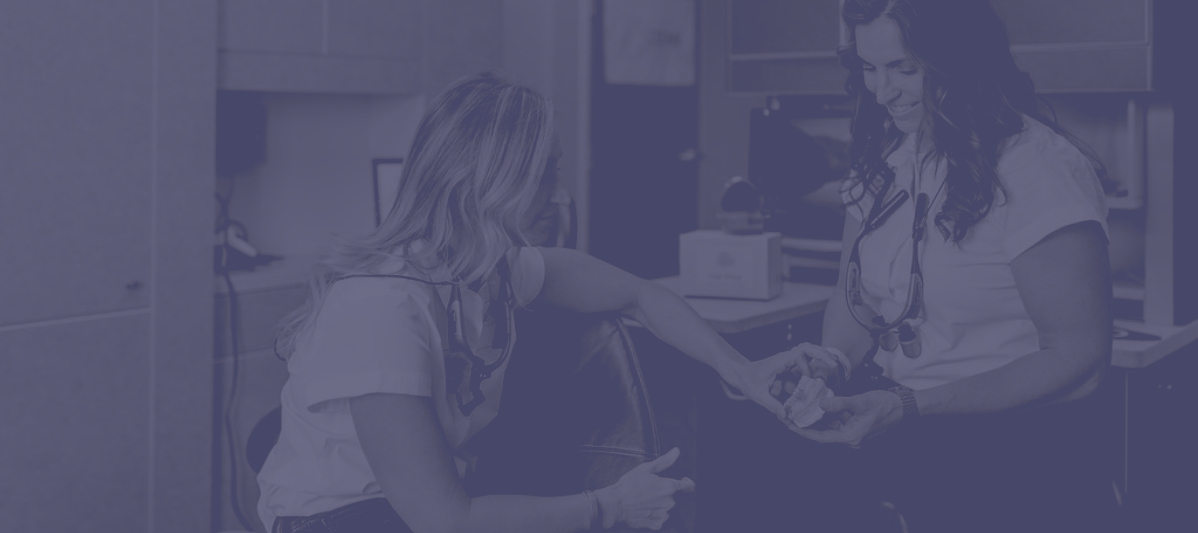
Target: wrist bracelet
[592,510]
[907,396]
[842,360]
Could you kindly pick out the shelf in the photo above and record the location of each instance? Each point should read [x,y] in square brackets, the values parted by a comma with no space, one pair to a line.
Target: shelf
[727,315]
[1128,291]
[287,272]
[1140,354]
[1124,203]
[809,262]
[811,245]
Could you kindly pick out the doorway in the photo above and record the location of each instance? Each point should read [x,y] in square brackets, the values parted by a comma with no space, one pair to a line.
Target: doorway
[644,168]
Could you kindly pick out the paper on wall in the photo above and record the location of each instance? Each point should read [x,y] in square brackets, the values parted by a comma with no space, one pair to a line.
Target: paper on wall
[649,42]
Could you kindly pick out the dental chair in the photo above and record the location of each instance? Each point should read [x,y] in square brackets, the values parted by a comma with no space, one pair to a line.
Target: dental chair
[578,422]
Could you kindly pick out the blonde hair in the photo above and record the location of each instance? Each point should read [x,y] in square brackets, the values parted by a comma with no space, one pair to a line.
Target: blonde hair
[470,177]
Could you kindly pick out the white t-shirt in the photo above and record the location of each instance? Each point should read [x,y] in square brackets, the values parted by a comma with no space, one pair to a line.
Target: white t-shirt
[388,335]
[973,318]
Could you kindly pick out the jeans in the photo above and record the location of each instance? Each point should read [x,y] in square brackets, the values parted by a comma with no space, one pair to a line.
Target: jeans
[1042,470]
[368,516]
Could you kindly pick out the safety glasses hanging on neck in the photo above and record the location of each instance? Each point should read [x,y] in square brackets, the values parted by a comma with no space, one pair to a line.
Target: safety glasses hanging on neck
[877,325]
[464,368]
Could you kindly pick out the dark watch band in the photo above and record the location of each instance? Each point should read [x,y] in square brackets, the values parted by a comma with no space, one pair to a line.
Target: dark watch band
[907,396]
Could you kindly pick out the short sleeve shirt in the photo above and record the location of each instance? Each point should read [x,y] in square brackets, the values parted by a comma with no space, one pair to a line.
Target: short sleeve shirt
[387,335]
[973,319]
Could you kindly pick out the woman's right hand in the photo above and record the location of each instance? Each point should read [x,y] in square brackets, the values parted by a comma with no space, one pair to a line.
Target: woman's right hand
[641,498]
[809,360]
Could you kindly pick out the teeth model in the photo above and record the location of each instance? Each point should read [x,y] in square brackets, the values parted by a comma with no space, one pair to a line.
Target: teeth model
[802,408]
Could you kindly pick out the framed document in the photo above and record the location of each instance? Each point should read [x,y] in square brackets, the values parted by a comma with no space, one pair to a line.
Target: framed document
[649,43]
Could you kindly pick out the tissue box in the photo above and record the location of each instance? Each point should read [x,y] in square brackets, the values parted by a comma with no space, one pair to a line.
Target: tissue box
[719,264]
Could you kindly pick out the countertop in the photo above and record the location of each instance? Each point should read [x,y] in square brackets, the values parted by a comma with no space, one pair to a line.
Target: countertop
[735,316]
[802,299]
[291,270]
[1140,354]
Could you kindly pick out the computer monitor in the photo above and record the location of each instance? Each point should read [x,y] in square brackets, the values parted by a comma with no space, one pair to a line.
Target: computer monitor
[787,165]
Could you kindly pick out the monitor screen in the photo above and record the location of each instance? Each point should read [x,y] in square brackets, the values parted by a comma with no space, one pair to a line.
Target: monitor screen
[798,173]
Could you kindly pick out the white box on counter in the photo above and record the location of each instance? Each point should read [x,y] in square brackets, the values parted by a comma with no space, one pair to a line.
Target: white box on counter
[718,264]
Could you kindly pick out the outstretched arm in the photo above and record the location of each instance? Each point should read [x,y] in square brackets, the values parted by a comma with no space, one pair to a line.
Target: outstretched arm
[576,281]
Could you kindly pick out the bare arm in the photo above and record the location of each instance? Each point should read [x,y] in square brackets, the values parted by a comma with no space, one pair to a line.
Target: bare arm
[1065,284]
[576,281]
[407,452]
[1064,281]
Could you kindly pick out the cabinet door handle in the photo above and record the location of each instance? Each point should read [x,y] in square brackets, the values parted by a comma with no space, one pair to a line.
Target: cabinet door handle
[133,285]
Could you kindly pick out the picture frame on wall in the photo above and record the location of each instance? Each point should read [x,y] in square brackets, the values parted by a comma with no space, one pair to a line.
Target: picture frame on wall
[387,173]
[649,43]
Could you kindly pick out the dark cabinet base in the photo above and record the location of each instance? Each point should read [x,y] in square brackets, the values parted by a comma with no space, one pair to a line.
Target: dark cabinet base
[1162,436]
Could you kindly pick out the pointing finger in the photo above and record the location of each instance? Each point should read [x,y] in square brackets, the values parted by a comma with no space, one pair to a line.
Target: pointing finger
[663,462]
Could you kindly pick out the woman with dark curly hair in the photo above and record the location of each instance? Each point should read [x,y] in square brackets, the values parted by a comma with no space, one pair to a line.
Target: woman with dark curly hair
[973,308]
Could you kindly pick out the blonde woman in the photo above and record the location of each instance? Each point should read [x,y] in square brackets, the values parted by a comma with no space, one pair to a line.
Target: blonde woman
[399,356]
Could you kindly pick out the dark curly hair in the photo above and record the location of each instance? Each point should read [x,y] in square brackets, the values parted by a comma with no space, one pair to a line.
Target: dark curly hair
[974,98]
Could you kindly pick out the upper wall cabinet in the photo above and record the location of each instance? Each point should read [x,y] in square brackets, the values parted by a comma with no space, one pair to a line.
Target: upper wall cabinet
[788,47]
[1082,45]
[784,46]
[321,46]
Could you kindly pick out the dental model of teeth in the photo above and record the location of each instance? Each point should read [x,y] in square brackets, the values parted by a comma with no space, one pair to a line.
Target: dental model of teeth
[802,408]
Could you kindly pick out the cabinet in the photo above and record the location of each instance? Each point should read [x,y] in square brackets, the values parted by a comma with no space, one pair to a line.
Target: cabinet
[105,297]
[76,184]
[1159,466]
[781,46]
[784,46]
[1082,45]
[342,46]
[75,424]
[356,46]
[763,27]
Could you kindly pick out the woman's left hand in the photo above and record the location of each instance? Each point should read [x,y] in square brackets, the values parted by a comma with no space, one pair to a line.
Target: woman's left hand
[861,417]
